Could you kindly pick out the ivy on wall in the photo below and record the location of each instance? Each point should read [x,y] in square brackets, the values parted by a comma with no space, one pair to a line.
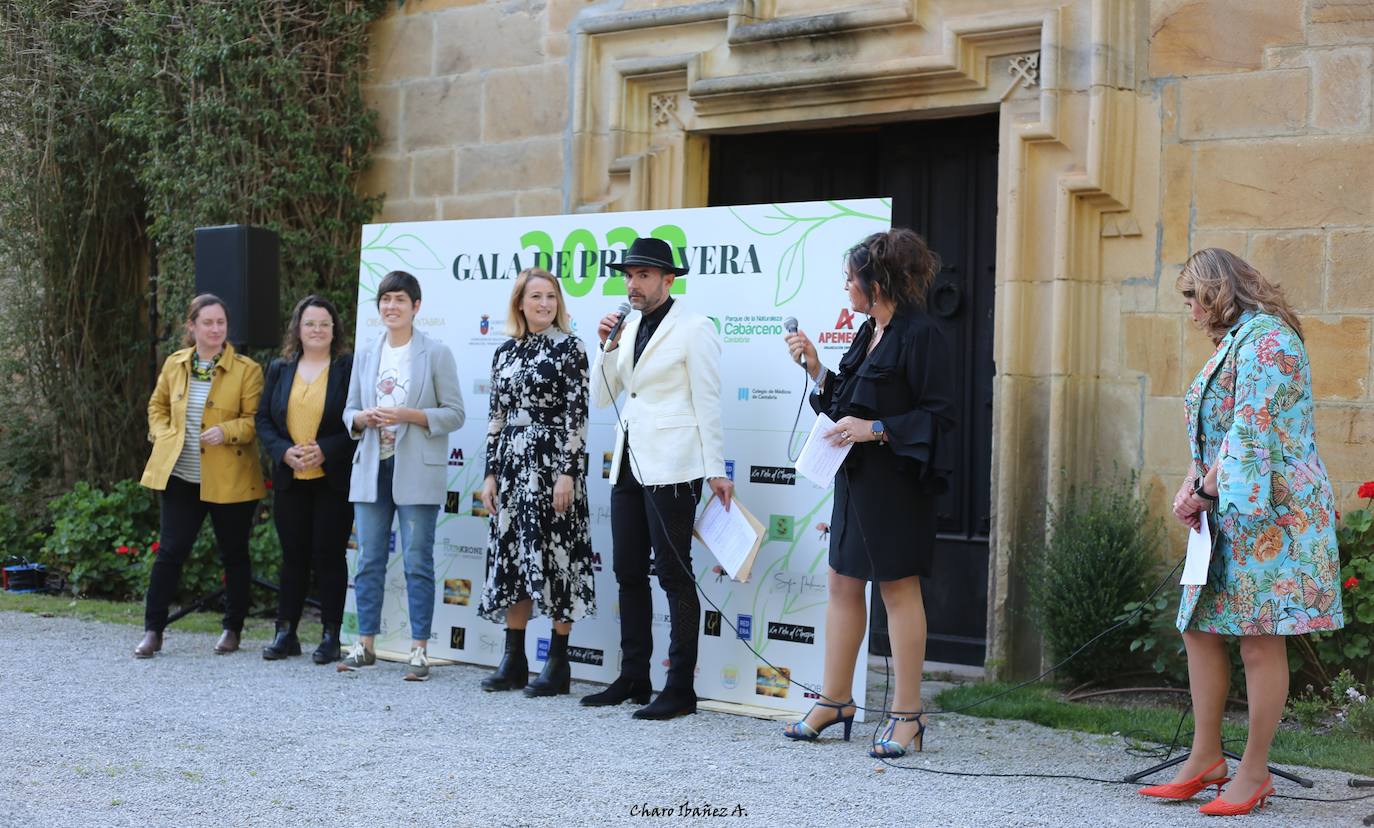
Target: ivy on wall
[124,125]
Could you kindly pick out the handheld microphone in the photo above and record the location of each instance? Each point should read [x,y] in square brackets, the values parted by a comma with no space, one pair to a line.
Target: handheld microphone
[624,311]
[790,325]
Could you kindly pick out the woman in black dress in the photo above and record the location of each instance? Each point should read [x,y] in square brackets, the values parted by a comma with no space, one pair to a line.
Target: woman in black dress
[892,401]
[539,555]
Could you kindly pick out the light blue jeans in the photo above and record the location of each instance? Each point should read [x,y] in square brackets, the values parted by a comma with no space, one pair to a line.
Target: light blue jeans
[417,550]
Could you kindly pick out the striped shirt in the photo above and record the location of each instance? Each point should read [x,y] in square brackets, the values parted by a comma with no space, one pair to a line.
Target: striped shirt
[188,463]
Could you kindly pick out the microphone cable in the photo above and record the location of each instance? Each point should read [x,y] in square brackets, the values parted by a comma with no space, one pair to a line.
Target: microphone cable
[885,711]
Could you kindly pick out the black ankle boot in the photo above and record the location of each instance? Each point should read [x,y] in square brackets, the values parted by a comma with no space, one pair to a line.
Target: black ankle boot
[556,677]
[621,690]
[285,644]
[329,649]
[514,670]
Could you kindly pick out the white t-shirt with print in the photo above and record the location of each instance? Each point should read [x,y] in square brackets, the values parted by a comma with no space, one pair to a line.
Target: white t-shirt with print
[393,388]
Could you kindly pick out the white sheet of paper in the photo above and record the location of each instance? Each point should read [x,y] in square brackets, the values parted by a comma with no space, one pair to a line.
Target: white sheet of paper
[819,460]
[728,534]
[1199,555]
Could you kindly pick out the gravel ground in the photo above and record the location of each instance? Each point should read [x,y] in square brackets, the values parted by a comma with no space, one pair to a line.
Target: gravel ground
[91,736]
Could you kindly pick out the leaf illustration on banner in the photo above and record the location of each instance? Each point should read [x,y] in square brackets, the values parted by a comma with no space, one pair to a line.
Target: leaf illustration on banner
[791,272]
[764,587]
[385,253]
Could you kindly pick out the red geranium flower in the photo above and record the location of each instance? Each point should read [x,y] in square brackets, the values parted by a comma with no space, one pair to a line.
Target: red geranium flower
[267,483]
[122,550]
[1351,582]
[1367,490]
[155,546]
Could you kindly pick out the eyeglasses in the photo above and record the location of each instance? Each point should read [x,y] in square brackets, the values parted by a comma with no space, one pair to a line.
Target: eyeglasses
[317,326]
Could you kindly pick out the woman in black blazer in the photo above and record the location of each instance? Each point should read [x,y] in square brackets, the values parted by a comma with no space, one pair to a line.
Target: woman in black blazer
[892,401]
[300,423]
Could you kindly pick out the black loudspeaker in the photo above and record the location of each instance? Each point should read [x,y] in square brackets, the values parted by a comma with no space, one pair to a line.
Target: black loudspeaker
[239,264]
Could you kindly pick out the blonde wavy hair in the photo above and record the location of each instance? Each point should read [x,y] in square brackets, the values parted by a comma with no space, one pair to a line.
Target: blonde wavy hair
[1225,285]
[516,325]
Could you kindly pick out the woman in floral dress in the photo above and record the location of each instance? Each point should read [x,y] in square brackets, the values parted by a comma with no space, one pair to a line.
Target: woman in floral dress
[1255,470]
[539,556]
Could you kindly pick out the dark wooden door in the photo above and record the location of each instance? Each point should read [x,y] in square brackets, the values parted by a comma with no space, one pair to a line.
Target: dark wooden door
[942,177]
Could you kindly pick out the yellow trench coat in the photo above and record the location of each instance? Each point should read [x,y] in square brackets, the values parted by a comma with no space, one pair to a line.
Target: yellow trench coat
[230,472]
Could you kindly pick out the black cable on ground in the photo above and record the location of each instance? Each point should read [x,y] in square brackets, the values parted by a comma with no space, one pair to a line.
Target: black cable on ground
[885,711]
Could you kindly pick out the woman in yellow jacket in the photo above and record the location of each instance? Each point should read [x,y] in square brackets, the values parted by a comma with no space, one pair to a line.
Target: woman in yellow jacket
[204,461]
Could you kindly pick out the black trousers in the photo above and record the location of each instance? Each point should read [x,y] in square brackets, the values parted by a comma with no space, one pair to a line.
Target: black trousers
[636,531]
[313,522]
[183,512]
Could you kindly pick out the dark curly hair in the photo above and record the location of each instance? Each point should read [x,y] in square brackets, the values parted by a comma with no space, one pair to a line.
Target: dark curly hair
[291,342]
[899,262]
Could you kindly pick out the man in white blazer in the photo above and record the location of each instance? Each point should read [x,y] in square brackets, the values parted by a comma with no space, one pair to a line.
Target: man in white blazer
[668,440]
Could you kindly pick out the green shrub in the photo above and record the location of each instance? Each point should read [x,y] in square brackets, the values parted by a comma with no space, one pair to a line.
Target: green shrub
[98,537]
[1098,557]
[105,543]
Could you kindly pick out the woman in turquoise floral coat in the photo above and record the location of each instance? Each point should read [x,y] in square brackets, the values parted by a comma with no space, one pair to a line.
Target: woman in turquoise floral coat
[1255,470]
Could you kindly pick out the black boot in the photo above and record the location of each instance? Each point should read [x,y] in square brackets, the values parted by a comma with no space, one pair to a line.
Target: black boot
[556,677]
[671,703]
[621,690]
[514,670]
[285,644]
[329,649]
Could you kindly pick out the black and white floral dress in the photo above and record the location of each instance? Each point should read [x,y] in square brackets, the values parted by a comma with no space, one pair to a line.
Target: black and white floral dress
[538,431]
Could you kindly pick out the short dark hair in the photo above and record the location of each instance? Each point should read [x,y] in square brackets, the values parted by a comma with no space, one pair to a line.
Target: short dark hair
[399,280]
[291,343]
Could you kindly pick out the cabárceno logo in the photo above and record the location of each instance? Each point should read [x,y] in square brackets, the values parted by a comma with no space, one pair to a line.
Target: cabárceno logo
[776,475]
[740,329]
[796,633]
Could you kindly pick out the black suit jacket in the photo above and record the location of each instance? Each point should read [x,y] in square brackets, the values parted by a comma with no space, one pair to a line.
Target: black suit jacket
[333,438]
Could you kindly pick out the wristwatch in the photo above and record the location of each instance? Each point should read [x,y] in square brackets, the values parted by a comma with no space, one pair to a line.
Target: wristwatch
[1202,493]
[879,433]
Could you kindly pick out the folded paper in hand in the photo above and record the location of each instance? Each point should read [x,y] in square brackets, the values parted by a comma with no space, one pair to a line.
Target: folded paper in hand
[1199,554]
[733,536]
[819,460]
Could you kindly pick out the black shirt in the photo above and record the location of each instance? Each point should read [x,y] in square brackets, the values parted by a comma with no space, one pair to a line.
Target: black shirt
[648,325]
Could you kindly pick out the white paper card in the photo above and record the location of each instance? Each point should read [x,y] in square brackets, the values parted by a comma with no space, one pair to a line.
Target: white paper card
[728,534]
[819,460]
[1199,554]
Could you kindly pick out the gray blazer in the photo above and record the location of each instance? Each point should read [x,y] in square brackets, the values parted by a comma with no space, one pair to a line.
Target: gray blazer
[421,474]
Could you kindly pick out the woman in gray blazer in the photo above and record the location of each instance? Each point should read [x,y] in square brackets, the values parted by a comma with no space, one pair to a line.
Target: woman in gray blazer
[403,400]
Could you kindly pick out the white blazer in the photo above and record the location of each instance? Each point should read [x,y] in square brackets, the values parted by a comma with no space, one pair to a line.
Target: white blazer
[672,405]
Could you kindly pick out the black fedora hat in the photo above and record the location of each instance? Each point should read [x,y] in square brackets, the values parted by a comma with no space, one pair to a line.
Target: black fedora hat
[649,253]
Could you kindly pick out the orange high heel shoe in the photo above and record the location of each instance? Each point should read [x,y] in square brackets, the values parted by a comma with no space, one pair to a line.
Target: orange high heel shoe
[1255,803]
[1188,788]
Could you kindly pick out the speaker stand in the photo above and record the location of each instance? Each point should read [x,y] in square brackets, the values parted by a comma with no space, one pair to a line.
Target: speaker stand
[204,601]
[1183,757]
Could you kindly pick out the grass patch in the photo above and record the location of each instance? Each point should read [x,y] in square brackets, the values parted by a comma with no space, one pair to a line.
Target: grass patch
[1339,750]
[122,612]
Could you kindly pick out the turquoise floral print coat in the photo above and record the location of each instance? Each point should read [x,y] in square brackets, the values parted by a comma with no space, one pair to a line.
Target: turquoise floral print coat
[1275,568]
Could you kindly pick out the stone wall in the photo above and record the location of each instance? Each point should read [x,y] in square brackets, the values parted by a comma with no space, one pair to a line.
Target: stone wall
[1267,151]
[1154,128]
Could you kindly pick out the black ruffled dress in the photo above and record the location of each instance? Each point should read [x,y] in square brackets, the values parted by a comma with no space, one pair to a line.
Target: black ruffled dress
[884,520]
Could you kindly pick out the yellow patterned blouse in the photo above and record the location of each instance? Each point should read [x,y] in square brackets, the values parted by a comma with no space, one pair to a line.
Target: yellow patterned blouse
[303,412]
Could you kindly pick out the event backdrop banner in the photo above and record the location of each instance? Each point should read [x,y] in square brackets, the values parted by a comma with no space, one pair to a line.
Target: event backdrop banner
[751,267]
